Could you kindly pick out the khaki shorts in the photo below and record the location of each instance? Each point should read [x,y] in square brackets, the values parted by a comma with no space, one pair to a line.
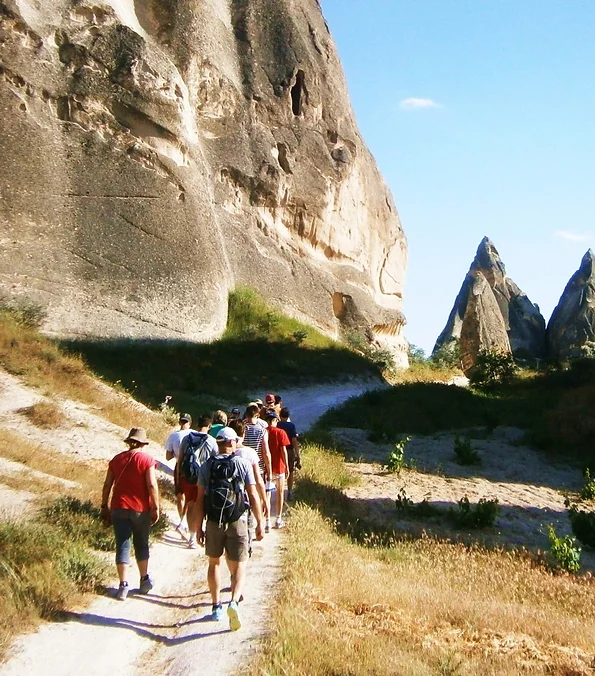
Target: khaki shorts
[231,538]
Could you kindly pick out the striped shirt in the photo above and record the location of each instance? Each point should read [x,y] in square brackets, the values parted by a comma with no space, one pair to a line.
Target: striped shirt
[253,436]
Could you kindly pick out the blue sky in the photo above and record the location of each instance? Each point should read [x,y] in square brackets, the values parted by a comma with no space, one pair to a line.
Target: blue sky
[480,114]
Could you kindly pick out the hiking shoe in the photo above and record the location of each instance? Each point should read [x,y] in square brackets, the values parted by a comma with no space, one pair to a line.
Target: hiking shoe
[289,497]
[192,544]
[146,584]
[279,523]
[217,613]
[122,592]
[267,525]
[234,616]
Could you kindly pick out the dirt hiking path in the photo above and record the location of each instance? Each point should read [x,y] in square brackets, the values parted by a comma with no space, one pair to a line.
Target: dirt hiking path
[168,630]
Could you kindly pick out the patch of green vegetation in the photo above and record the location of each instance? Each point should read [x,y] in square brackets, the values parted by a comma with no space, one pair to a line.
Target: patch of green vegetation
[465,453]
[555,407]
[261,350]
[396,458]
[583,525]
[565,554]
[41,572]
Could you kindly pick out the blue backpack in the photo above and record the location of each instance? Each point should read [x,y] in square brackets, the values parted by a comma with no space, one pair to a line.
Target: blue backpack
[195,452]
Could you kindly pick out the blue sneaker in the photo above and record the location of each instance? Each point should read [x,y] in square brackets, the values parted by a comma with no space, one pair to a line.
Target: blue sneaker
[146,584]
[234,616]
[217,614]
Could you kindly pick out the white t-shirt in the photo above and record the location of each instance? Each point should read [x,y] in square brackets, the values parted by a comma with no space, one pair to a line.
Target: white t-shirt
[263,423]
[174,440]
[248,454]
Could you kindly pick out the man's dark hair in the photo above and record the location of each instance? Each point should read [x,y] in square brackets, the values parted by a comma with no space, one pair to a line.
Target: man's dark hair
[205,420]
[278,399]
[284,412]
[237,426]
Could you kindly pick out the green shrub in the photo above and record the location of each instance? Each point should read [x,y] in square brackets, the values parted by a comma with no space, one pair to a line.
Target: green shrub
[169,413]
[80,521]
[493,368]
[588,490]
[27,313]
[396,458]
[481,515]
[299,336]
[565,554]
[423,509]
[465,453]
[447,355]
[381,357]
[583,525]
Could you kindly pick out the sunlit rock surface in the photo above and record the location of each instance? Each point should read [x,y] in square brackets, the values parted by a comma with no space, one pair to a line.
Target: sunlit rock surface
[158,153]
[521,319]
[571,329]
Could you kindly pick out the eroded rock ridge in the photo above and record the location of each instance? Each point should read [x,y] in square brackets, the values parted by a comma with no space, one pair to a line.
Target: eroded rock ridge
[158,153]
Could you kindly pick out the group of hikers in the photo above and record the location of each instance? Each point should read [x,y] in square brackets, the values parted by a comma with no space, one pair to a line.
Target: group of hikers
[225,472]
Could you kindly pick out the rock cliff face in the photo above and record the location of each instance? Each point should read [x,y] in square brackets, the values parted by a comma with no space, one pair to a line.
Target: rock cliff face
[157,153]
[510,310]
[571,329]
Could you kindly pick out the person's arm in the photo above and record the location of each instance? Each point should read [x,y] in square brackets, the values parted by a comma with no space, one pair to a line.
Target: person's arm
[256,510]
[169,451]
[285,460]
[296,450]
[260,487]
[107,487]
[200,515]
[151,480]
[266,455]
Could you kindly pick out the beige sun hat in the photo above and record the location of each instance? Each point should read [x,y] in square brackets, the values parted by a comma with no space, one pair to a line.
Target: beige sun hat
[138,434]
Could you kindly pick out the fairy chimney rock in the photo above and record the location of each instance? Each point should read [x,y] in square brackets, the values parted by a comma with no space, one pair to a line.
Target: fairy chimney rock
[571,329]
[522,321]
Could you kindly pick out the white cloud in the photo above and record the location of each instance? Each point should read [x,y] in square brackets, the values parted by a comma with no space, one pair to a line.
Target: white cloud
[573,236]
[416,103]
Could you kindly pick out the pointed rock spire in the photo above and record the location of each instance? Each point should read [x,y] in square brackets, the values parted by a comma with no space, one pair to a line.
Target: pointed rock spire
[572,324]
[521,319]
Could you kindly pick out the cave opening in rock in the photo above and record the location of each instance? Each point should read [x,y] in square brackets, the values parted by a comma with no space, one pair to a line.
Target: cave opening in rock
[296,93]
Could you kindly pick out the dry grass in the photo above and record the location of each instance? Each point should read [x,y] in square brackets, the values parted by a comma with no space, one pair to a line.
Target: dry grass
[44,459]
[419,606]
[45,414]
[26,353]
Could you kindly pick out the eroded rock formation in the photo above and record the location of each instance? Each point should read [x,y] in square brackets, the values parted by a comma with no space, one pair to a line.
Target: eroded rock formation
[571,329]
[157,153]
[483,326]
[521,319]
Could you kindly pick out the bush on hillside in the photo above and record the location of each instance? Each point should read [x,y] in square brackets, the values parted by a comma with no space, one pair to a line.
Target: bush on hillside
[465,453]
[583,525]
[481,515]
[447,355]
[396,458]
[27,313]
[565,554]
[493,368]
[381,357]
[588,490]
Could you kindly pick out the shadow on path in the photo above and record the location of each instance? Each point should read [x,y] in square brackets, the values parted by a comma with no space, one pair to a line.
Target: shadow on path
[145,629]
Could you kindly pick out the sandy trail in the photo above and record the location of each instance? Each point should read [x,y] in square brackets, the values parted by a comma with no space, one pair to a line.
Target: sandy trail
[167,631]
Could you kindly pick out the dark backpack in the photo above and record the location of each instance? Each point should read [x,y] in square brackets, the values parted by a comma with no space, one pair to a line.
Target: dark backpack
[195,452]
[225,501]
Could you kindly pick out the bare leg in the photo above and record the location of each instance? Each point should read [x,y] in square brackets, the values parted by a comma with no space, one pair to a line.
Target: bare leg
[181,505]
[143,567]
[280,488]
[290,481]
[214,579]
[237,570]
[122,571]
[191,516]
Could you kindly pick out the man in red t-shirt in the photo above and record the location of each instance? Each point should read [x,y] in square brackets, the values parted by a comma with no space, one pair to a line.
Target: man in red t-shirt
[278,442]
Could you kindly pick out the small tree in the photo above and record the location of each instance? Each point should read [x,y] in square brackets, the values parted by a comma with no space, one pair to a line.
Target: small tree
[493,368]
[447,355]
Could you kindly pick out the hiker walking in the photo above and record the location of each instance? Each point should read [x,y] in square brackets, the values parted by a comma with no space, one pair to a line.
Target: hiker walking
[256,437]
[219,422]
[172,450]
[222,481]
[134,507]
[278,443]
[293,451]
[251,456]
[196,448]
